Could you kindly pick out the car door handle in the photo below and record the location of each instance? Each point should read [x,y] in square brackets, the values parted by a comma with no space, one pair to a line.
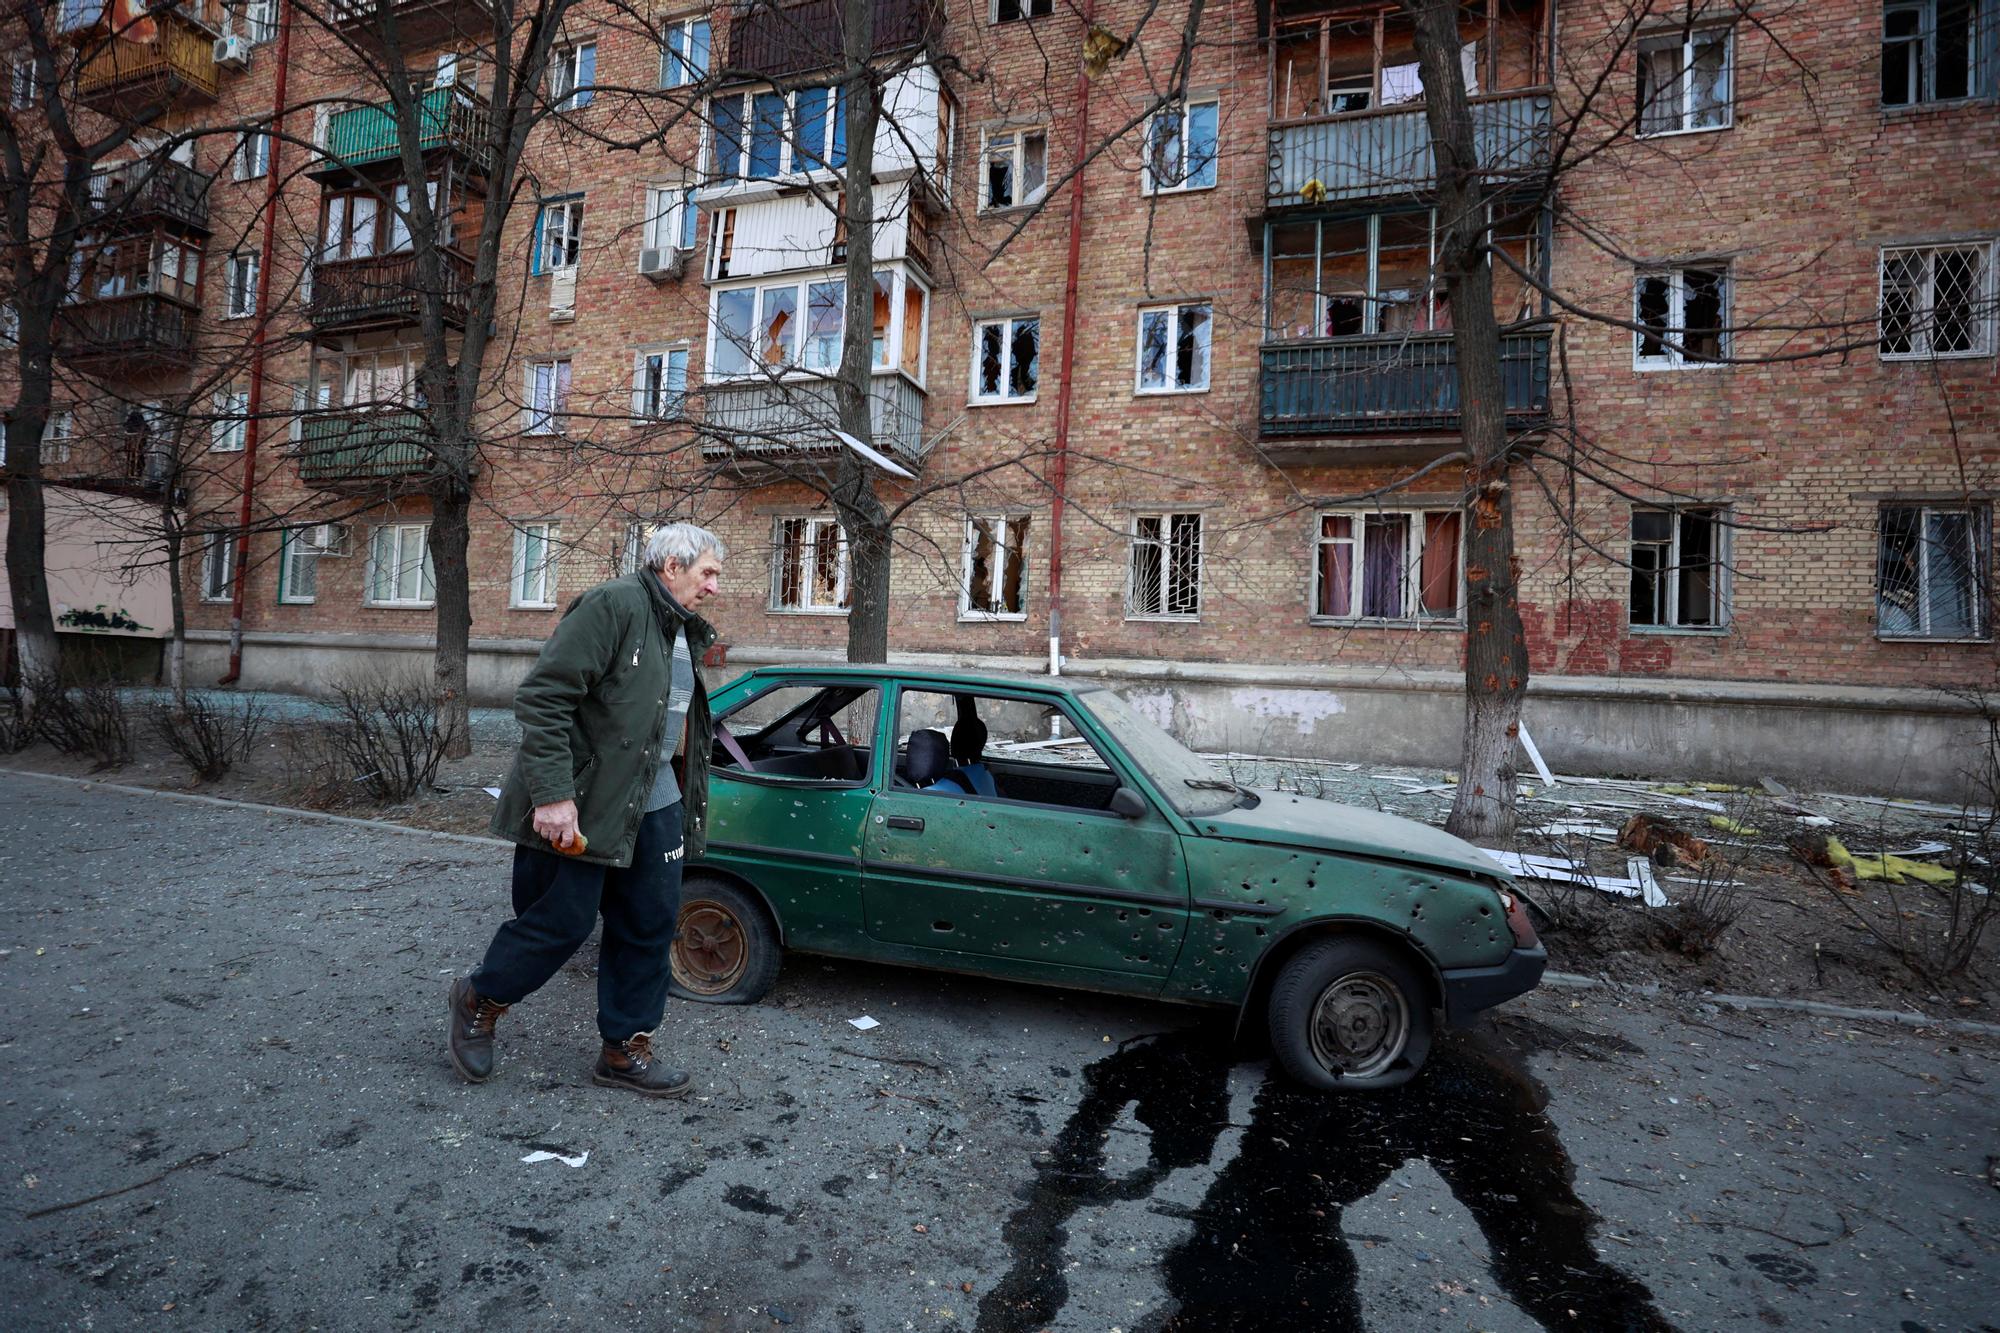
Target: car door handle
[910,822]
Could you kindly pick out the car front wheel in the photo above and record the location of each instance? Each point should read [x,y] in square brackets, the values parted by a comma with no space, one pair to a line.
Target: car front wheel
[725,950]
[1349,1014]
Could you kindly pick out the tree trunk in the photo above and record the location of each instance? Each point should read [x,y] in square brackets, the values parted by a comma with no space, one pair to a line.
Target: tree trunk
[860,509]
[451,532]
[27,580]
[1496,653]
[176,598]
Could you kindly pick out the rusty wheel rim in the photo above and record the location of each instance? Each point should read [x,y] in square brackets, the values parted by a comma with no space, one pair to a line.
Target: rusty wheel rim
[711,952]
[1360,1025]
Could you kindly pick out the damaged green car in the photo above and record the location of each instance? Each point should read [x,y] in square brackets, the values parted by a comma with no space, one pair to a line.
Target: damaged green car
[1037,830]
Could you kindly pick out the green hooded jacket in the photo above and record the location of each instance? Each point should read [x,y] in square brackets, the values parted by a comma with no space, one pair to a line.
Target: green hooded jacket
[590,711]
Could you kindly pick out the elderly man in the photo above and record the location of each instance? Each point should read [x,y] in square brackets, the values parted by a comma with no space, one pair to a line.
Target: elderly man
[601,817]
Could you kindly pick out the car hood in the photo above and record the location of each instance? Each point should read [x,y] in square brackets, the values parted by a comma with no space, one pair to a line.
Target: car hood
[1285,820]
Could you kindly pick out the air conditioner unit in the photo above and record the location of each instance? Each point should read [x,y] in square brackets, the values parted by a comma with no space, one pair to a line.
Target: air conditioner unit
[562,293]
[232,51]
[329,539]
[661,262]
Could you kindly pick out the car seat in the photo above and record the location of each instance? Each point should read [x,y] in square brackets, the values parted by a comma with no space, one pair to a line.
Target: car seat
[928,759]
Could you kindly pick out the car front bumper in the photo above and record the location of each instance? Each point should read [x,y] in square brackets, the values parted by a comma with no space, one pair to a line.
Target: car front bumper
[1468,990]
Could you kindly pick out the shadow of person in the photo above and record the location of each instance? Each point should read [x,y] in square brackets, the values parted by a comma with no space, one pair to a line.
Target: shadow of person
[1265,1253]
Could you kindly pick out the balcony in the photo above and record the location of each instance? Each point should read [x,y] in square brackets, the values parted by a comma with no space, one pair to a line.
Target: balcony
[141,332]
[451,119]
[138,194]
[342,448]
[420,24]
[123,77]
[1371,154]
[1394,385]
[780,40]
[383,291]
[771,425]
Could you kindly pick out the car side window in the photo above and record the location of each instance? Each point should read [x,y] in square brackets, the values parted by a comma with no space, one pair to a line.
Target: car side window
[805,732]
[994,747]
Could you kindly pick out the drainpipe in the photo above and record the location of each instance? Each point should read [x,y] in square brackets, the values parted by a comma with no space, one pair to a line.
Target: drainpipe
[1059,471]
[273,176]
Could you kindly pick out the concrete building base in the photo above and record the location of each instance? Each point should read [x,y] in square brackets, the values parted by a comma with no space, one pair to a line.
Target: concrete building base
[1913,743]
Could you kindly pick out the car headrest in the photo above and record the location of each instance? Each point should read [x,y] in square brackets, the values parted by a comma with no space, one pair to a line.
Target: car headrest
[929,758]
[968,740]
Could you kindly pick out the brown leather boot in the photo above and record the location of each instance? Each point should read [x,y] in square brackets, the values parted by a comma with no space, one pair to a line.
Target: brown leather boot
[471,1033]
[630,1064]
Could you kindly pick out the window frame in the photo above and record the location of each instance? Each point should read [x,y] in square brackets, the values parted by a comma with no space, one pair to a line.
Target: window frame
[1980,50]
[649,401]
[1923,319]
[1017,154]
[295,551]
[814,524]
[554,418]
[1720,597]
[669,211]
[1135,542]
[896,335]
[571,86]
[1411,592]
[1174,310]
[214,591]
[1980,520]
[57,432]
[426,572]
[1030,10]
[247,262]
[1013,550]
[23,87]
[252,158]
[831,157]
[1685,41]
[684,26]
[1006,324]
[1673,337]
[569,207]
[229,432]
[548,573]
[1181,111]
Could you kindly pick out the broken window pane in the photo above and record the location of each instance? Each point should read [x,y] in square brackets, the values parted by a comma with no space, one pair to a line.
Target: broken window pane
[1191,357]
[992,346]
[1153,348]
[1952,591]
[1957,47]
[1184,569]
[1000,171]
[1655,301]
[1698,569]
[1335,595]
[1025,357]
[1902,54]
[810,569]
[777,326]
[1660,89]
[1702,315]
[993,565]
[1166,566]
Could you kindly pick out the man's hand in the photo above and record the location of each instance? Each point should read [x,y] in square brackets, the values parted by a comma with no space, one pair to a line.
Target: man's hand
[557,822]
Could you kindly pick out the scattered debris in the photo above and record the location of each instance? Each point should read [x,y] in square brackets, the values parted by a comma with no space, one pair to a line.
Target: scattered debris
[1735,826]
[863,1023]
[1663,841]
[1556,870]
[1828,852]
[494,792]
[540,1155]
[1535,756]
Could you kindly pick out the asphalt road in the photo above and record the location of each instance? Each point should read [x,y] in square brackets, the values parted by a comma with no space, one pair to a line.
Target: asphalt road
[224,1104]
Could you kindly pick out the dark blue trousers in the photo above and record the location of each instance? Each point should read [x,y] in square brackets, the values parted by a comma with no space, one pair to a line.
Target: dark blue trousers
[557,899]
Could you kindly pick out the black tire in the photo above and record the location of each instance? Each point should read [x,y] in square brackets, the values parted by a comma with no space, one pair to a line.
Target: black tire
[1349,1014]
[725,950]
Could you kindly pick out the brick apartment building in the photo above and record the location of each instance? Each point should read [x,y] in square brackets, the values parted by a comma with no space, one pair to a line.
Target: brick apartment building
[1761,387]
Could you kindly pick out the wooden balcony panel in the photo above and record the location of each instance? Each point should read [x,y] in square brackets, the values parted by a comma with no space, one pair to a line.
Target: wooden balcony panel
[419,23]
[1372,154]
[778,41]
[136,194]
[141,331]
[362,447]
[383,291]
[1350,396]
[124,77]
[451,119]
[762,424]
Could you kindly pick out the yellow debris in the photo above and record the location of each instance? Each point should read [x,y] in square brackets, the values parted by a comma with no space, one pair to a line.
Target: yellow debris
[1728,825]
[1895,869]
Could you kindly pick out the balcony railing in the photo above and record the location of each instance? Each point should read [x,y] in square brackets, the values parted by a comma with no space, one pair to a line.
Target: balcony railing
[363,446]
[419,23]
[151,190]
[143,328]
[178,65]
[1389,384]
[450,118]
[1368,154]
[383,291]
[776,40]
[776,423]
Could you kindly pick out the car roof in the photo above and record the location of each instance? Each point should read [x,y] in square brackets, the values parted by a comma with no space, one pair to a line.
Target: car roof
[941,677]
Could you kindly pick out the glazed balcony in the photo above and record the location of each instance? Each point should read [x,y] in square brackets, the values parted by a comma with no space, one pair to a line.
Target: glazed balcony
[362,446]
[1374,154]
[364,140]
[135,195]
[419,23]
[781,40]
[1334,399]
[383,291]
[122,77]
[761,424]
[140,332]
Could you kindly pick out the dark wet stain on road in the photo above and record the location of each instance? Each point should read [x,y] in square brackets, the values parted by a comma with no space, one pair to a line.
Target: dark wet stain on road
[1266,1253]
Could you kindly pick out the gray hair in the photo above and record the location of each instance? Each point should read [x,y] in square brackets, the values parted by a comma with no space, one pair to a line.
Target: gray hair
[683,543]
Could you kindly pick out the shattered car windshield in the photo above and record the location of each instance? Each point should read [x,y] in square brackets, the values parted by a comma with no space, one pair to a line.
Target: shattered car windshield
[1190,785]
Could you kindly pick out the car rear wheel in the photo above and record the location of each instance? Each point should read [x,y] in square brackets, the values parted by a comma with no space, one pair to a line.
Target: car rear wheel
[1350,1014]
[725,950]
